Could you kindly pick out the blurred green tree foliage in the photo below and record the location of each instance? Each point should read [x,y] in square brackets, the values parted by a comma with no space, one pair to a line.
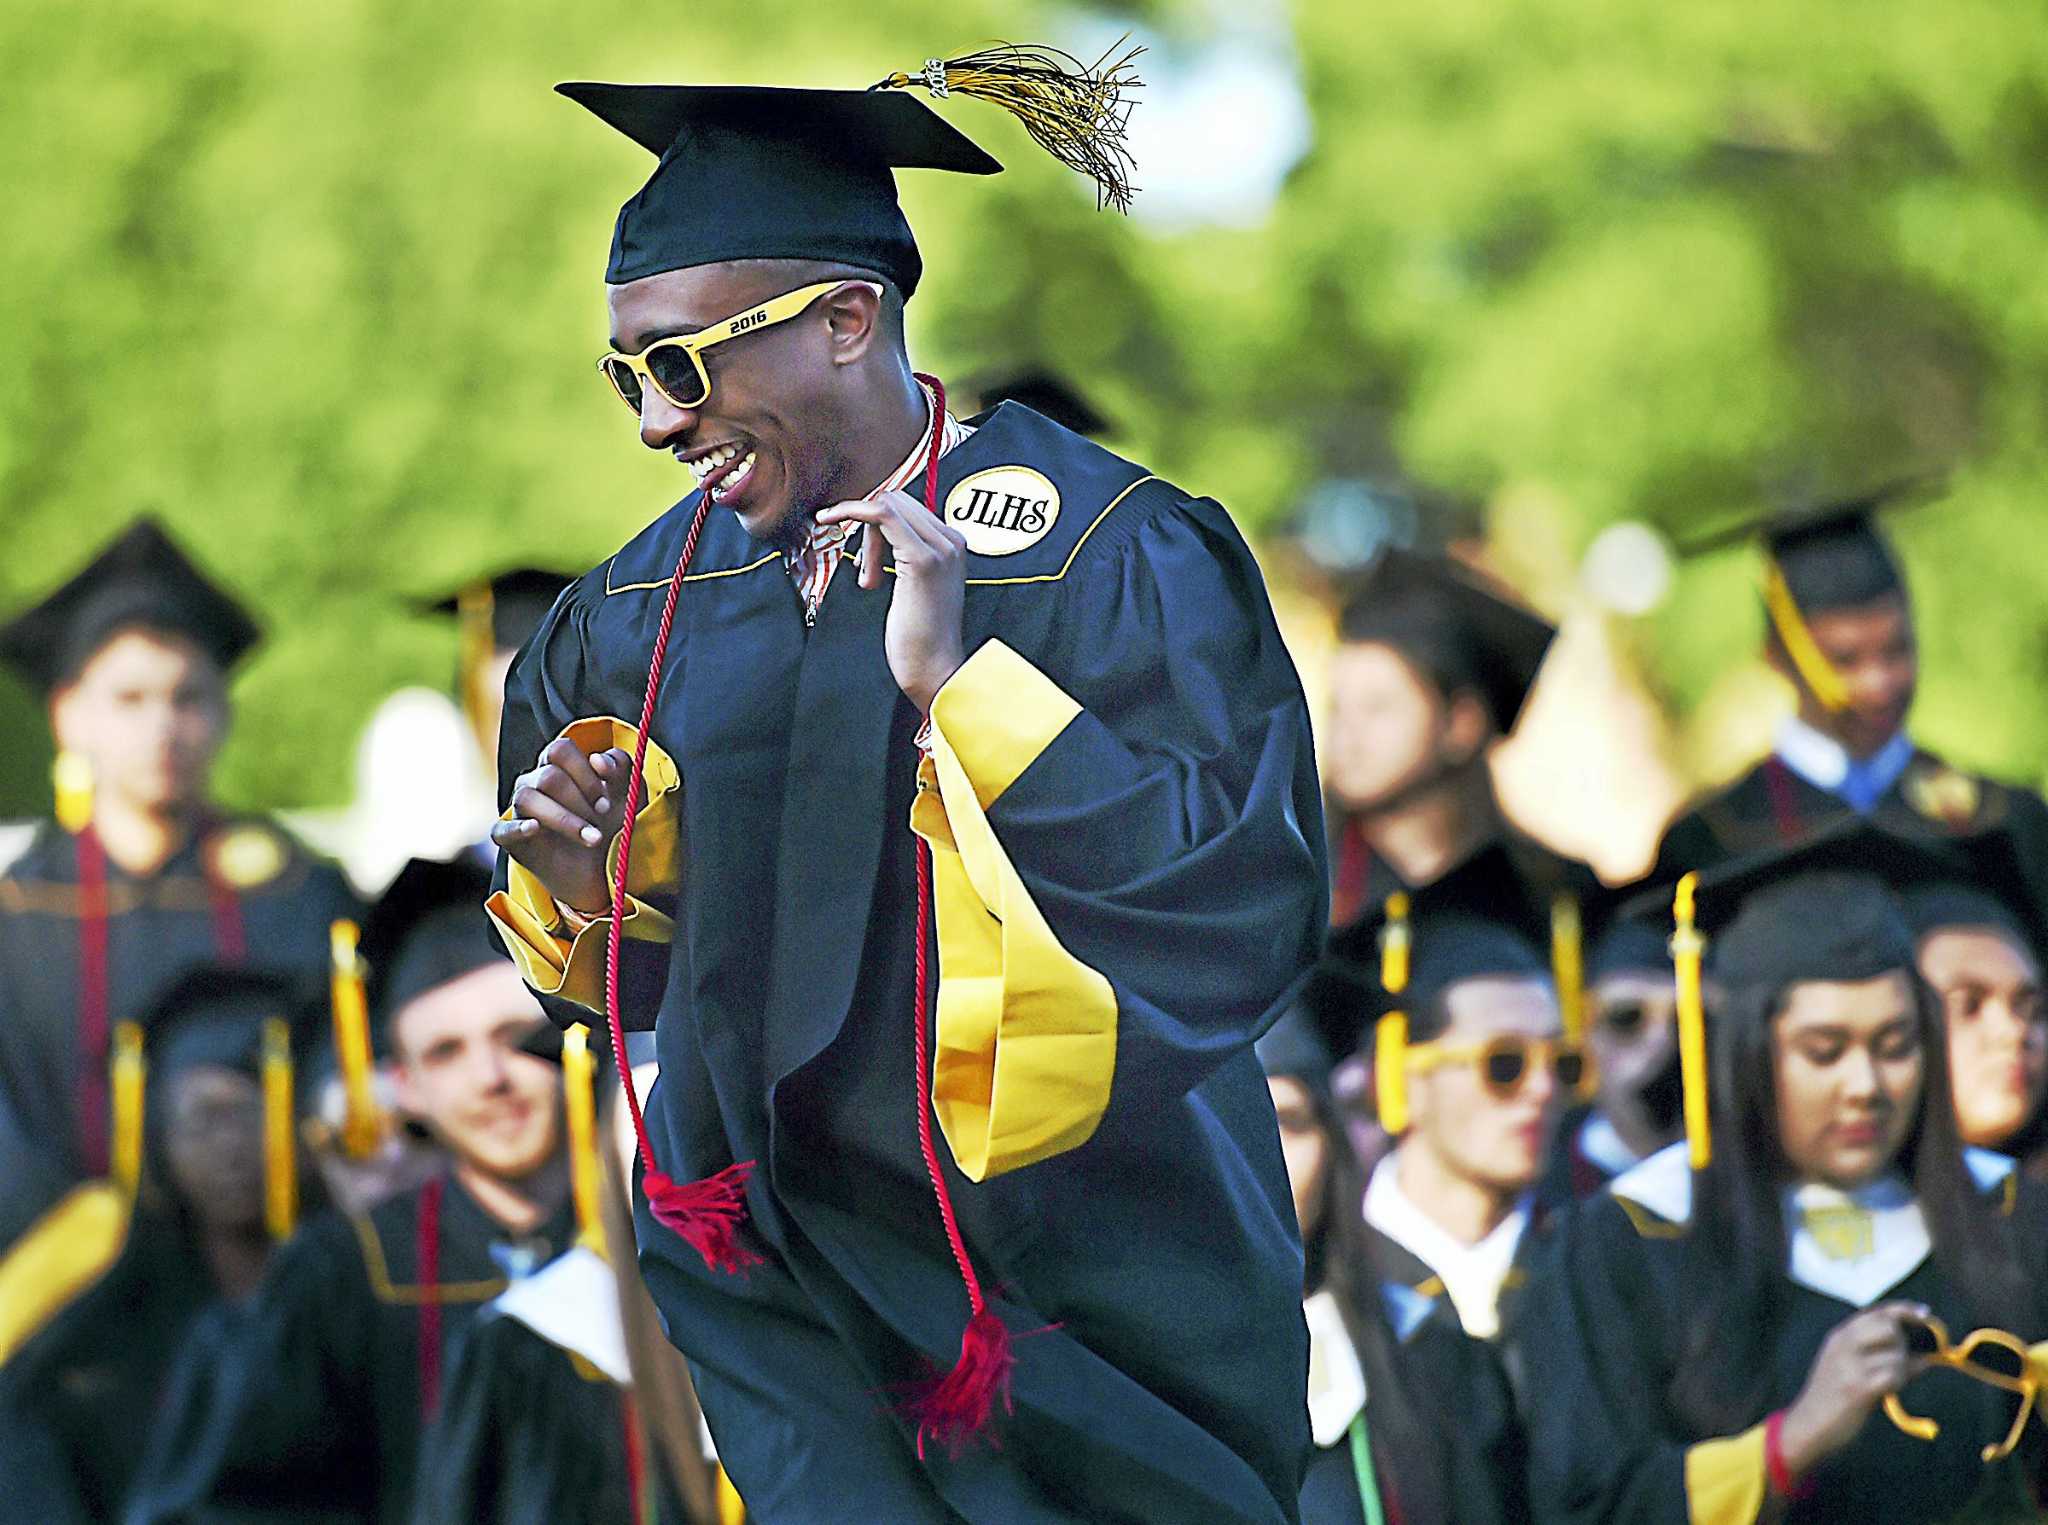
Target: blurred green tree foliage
[321,285]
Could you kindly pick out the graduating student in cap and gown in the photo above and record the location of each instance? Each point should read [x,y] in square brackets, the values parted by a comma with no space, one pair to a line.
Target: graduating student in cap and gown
[1978,935]
[86,1366]
[1471,1070]
[1729,1317]
[565,1402]
[1412,1420]
[1839,627]
[321,1395]
[1432,668]
[142,877]
[1115,809]
[1631,1031]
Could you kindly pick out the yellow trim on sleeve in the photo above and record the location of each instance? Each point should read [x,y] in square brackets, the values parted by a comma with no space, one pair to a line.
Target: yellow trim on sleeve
[63,1253]
[1025,1033]
[997,713]
[1725,1480]
[526,916]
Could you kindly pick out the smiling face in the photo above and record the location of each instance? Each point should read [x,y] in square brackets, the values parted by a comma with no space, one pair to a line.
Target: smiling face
[1990,989]
[1849,1068]
[461,1073]
[778,437]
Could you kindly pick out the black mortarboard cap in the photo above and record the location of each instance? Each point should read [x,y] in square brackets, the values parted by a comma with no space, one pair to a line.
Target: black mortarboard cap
[141,579]
[518,599]
[1831,552]
[214,1014]
[1629,945]
[1450,947]
[1824,908]
[1989,890]
[1337,998]
[1447,618]
[1046,393]
[426,930]
[752,172]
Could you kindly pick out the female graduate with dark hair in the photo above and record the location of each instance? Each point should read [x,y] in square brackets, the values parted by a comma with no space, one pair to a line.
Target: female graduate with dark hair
[1728,1332]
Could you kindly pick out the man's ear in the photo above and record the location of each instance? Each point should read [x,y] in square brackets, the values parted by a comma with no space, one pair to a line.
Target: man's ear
[854,318]
[1467,726]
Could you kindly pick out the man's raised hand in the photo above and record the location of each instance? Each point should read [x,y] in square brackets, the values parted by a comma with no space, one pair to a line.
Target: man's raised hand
[565,812]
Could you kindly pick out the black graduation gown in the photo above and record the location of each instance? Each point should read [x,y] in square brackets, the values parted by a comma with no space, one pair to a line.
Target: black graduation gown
[530,1435]
[1170,835]
[239,882]
[1772,805]
[1600,1337]
[313,1404]
[80,1399]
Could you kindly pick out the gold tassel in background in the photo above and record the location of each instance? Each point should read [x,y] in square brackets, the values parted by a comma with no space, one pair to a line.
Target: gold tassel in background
[579,1098]
[1796,636]
[1079,113]
[280,1147]
[71,778]
[1687,950]
[1568,966]
[475,616]
[1390,1038]
[362,1126]
[128,1066]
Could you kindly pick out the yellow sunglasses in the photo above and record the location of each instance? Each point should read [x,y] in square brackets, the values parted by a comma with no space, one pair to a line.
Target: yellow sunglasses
[1504,1062]
[675,366]
[2013,1370]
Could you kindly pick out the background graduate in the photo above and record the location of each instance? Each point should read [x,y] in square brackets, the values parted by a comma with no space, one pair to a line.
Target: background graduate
[1978,935]
[1431,669]
[1631,1002]
[1839,628]
[317,1402]
[220,1189]
[1120,817]
[143,876]
[1726,1334]
[565,1402]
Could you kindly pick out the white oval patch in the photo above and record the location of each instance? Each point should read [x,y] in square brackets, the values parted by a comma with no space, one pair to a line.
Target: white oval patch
[1003,510]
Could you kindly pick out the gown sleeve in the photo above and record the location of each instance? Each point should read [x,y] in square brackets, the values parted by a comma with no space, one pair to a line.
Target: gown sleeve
[550,693]
[269,1414]
[1128,845]
[1590,1349]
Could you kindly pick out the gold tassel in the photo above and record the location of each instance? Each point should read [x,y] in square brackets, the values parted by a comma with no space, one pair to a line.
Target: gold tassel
[1687,950]
[1079,113]
[71,780]
[732,1510]
[579,1097]
[1811,663]
[362,1127]
[280,1150]
[129,1070]
[1390,1038]
[1568,965]
[475,612]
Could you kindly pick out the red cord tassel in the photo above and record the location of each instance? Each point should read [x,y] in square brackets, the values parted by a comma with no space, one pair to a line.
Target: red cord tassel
[958,1406]
[707,1213]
